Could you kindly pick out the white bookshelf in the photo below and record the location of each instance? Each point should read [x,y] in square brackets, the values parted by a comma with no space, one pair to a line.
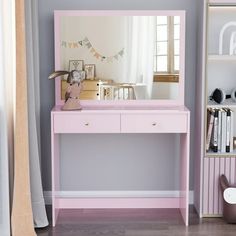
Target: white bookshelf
[220,69]
[215,71]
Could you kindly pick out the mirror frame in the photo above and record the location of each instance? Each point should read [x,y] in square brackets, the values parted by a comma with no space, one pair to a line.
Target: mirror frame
[179,101]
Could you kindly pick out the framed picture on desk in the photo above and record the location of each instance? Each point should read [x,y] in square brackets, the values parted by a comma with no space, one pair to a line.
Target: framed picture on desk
[76,65]
[90,71]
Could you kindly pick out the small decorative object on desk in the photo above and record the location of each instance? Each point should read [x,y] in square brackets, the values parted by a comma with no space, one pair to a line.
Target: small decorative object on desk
[75,79]
[90,71]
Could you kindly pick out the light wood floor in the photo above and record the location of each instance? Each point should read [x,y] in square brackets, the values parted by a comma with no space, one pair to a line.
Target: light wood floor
[148,222]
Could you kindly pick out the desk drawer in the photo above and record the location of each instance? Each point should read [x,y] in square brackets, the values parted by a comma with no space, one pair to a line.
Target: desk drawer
[154,123]
[88,95]
[86,123]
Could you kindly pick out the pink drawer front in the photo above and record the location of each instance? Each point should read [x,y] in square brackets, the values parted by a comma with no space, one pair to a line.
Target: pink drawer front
[86,123]
[154,123]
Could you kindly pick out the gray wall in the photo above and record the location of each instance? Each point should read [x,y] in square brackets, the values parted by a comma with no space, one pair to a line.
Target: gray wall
[97,156]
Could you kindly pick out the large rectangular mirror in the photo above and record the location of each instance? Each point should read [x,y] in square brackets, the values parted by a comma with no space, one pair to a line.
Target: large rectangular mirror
[126,55]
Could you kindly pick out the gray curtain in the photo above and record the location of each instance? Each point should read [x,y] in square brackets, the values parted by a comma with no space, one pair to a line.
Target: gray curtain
[32,50]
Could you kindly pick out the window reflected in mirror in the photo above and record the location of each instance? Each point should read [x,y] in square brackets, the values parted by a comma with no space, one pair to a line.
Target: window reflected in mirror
[167,45]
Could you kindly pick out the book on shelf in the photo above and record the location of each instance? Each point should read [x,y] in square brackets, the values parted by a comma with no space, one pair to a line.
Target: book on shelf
[210,122]
[220,130]
[232,131]
[223,130]
[215,131]
[228,125]
[214,138]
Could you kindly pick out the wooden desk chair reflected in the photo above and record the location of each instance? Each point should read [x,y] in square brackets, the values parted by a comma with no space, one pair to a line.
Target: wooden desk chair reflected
[75,79]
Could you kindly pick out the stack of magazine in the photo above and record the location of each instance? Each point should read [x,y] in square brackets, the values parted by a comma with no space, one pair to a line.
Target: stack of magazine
[219,136]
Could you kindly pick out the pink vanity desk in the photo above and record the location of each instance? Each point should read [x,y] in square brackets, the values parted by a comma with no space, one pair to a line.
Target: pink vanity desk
[116,121]
[120,117]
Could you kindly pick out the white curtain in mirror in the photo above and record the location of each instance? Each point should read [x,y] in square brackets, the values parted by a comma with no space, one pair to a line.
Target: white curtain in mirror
[7,65]
[140,37]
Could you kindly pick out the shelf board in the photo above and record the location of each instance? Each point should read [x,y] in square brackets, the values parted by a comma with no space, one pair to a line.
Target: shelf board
[221,57]
[222,2]
[220,154]
[228,103]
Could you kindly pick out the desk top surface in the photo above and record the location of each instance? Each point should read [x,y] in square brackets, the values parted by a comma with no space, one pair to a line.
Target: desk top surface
[125,109]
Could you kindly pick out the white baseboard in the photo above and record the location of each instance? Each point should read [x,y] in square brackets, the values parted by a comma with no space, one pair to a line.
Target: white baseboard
[116,194]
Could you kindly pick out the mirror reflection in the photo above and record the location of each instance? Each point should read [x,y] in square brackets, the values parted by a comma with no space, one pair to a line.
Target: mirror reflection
[124,57]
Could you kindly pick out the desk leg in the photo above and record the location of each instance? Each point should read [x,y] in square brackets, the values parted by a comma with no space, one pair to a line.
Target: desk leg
[184,174]
[55,175]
